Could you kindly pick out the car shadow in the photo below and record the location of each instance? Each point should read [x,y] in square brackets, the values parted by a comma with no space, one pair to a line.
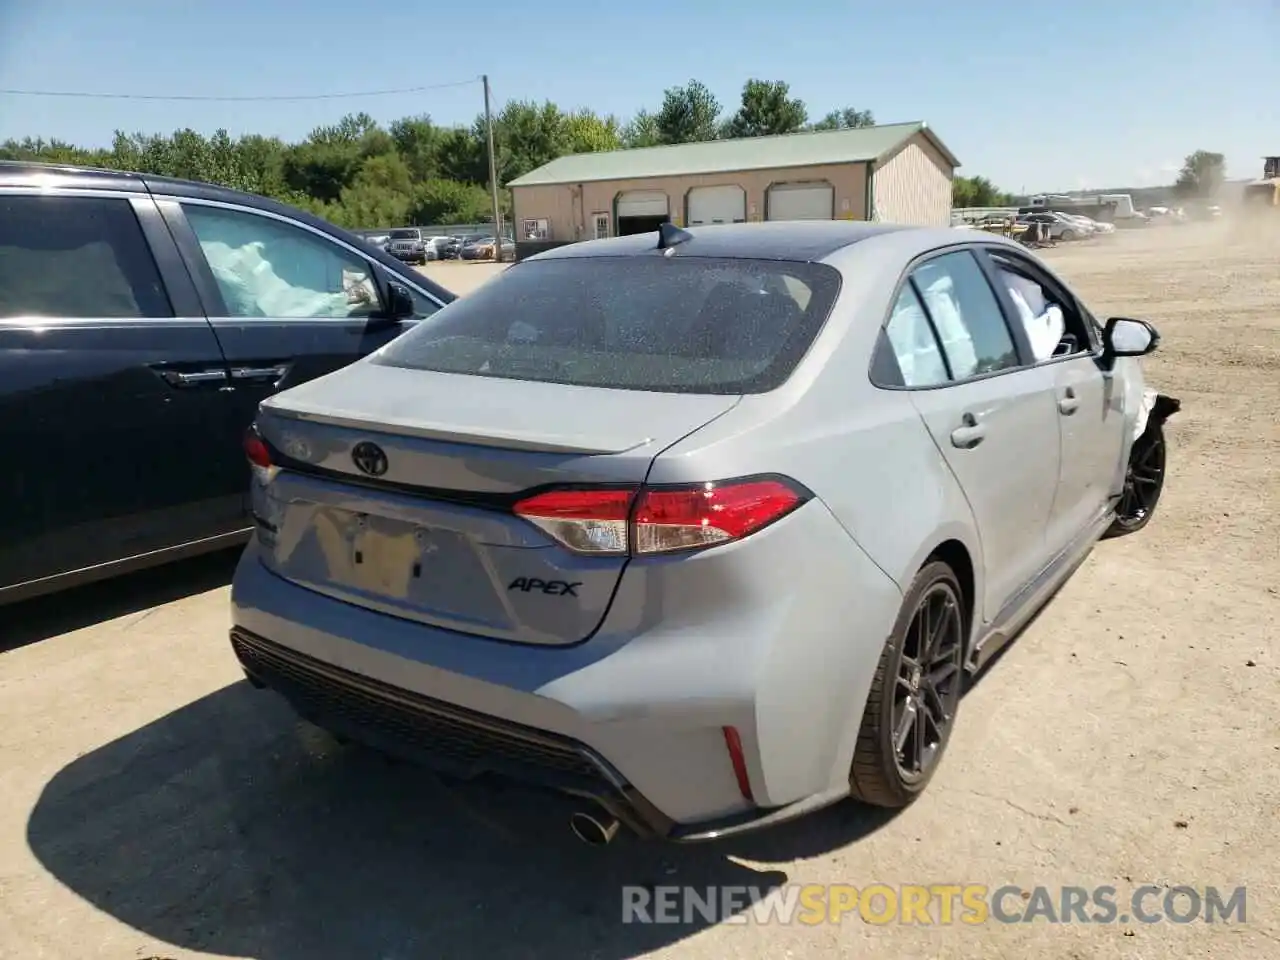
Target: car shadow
[231,827]
[74,609]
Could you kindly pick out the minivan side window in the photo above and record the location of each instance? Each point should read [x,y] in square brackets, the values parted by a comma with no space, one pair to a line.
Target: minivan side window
[76,258]
[966,315]
[268,268]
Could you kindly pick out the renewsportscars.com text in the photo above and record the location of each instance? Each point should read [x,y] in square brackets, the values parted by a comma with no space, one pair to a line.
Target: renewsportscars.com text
[933,904]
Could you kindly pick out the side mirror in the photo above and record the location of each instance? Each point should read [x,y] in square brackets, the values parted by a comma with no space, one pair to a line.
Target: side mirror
[399,302]
[1123,337]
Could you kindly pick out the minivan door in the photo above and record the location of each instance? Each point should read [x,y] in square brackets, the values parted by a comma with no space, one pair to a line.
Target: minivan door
[287,303]
[110,380]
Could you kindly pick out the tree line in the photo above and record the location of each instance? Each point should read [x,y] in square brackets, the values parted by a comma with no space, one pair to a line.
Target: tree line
[358,173]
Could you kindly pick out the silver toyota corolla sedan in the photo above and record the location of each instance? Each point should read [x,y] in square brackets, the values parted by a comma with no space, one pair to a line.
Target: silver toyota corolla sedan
[704,527]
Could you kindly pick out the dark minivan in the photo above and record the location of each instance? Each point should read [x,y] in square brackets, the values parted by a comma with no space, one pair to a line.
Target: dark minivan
[142,320]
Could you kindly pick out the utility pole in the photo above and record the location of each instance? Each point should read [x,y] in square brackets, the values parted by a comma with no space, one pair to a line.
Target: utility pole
[493,176]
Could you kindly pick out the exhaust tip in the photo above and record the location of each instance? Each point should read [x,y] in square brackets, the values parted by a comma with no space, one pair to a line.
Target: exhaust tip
[592,830]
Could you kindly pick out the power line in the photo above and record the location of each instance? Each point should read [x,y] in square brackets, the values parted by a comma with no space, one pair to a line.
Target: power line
[86,95]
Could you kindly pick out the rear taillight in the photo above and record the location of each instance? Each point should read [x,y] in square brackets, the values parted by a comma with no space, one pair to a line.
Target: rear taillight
[685,518]
[586,521]
[255,449]
[664,519]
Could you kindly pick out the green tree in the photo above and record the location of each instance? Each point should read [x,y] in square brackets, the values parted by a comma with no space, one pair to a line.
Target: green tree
[462,157]
[585,132]
[526,135]
[322,169]
[977,192]
[847,119]
[447,201]
[417,140]
[767,108]
[1202,174]
[689,114]
[642,131]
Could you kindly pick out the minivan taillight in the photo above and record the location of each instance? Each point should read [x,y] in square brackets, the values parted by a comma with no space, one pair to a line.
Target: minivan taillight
[660,519]
[255,449]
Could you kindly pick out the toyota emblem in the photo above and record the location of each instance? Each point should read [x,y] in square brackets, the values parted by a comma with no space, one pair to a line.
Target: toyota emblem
[369,458]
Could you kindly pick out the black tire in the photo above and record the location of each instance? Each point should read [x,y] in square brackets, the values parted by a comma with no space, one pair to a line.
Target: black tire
[1143,483]
[880,774]
[1068,234]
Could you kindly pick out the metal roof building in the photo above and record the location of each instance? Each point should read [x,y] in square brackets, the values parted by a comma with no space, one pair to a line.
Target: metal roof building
[898,173]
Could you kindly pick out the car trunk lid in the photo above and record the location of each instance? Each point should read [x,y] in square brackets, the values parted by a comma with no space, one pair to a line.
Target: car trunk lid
[396,487]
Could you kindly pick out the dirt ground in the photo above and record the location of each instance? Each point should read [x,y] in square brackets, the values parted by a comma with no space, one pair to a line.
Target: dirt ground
[153,805]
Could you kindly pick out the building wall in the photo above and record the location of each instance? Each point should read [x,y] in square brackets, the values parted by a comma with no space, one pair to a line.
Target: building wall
[914,186]
[570,208]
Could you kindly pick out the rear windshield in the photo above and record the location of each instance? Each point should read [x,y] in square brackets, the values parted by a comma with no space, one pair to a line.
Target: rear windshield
[633,323]
[405,235]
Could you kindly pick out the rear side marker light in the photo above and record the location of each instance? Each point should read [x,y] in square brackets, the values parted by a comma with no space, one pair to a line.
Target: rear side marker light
[733,743]
[657,520]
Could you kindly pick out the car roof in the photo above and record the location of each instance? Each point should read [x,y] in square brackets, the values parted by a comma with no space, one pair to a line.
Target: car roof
[800,240]
[23,173]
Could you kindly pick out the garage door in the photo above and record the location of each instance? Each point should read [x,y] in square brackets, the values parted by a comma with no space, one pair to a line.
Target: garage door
[722,204]
[642,203]
[801,201]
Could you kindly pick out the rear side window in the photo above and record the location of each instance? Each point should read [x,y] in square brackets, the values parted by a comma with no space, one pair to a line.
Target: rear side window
[76,257]
[914,344]
[667,324]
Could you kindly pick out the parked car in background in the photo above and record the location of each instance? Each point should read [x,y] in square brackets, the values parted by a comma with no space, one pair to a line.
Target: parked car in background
[1099,227]
[1059,227]
[435,247]
[451,248]
[407,245]
[378,240]
[479,248]
[1087,226]
[142,321]
[594,526]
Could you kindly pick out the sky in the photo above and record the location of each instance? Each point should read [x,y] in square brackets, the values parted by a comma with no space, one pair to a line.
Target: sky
[1034,95]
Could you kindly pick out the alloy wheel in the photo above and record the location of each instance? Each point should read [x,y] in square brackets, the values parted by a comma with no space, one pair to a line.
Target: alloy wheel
[927,687]
[1143,482]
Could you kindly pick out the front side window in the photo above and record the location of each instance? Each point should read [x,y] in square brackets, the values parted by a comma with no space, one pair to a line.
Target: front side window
[268,268]
[637,323]
[1053,327]
[966,315]
[76,257]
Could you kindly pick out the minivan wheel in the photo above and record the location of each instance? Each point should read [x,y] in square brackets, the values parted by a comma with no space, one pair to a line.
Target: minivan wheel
[1143,483]
[914,695]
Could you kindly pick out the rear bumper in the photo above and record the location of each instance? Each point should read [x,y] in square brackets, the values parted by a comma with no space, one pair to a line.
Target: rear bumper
[631,720]
[460,742]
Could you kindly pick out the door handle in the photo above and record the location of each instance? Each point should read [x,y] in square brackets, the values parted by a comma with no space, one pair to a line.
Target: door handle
[176,378]
[1067,403]
[271,374]
[969,434]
